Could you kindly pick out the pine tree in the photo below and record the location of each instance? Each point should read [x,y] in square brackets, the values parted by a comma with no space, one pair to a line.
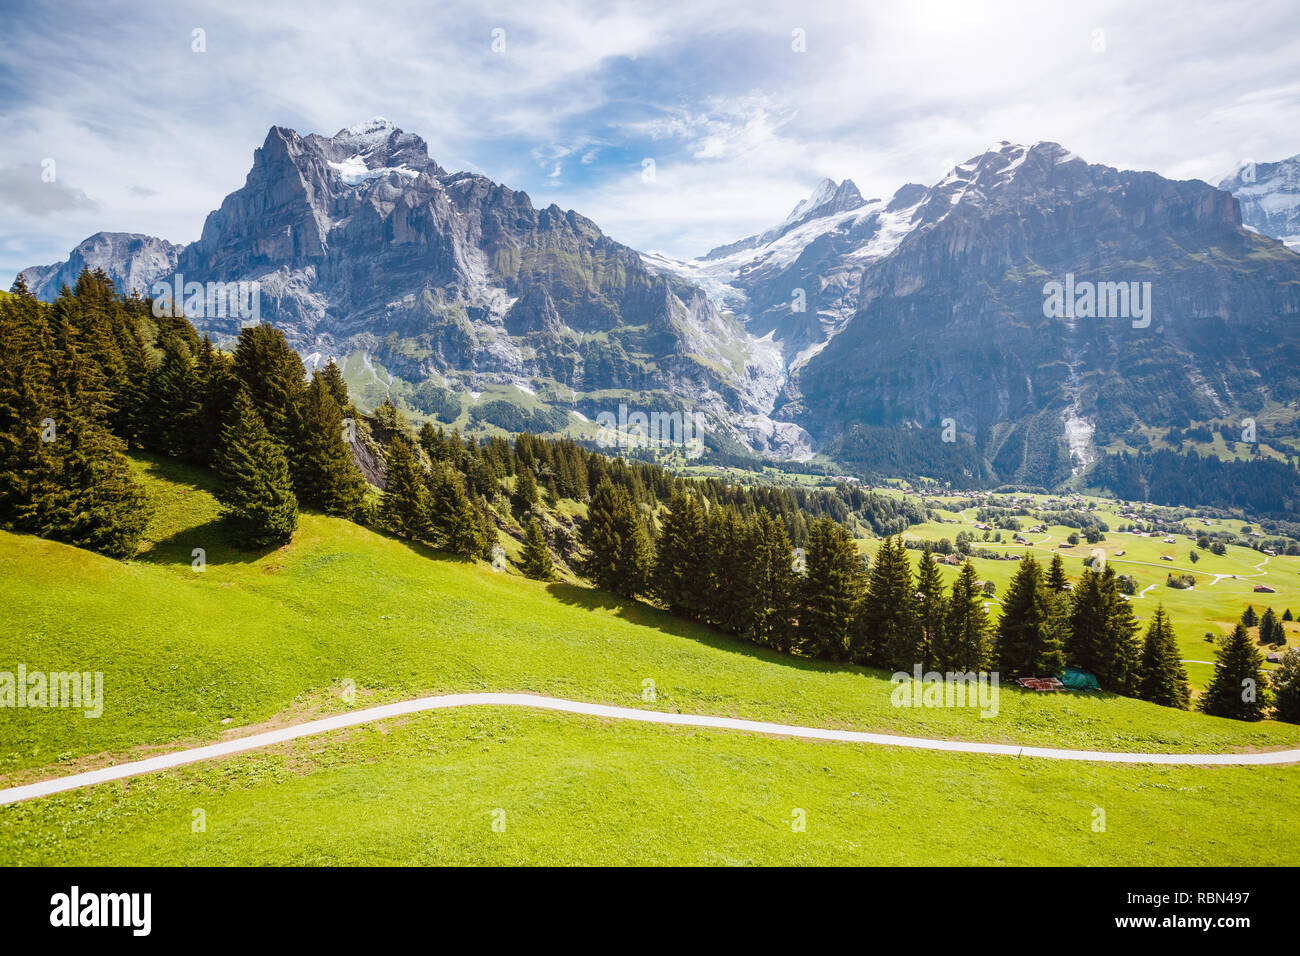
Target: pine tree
[931,610]
[1236,690]
[404,509]
[617,545]
[1123,666]
[455,521]
[25,397]
[332,376]
[833,588]
[524,494]
[275,380]
[1102,632]
[255,488]
[726,565]
[1286,687]
[888,634]
[1249,617]
[1270,629]
[62,472]
[1056,580]
[218,385]
[1164,681]
[1029,632]
[133,415]
[679,575]
[175,401]
[326,476]
[771,584]
[536,558]
[389,421]
[1086,640]
[965,636]
[434,442]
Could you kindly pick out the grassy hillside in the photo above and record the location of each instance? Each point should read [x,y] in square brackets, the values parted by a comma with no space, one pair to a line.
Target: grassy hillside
[257,637]
[262,639]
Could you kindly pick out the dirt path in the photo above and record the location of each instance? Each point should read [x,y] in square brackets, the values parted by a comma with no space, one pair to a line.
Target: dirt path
[227,748]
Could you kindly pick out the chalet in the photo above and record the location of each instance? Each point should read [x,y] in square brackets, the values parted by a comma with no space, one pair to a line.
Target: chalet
[1265,589]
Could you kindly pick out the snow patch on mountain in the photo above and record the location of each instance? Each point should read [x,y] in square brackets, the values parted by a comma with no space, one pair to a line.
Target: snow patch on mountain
[1269,194]
[353,170]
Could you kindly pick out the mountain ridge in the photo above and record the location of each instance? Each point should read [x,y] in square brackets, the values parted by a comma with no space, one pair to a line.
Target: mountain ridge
[361,240]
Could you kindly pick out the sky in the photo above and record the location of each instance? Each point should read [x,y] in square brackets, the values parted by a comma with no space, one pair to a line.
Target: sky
[141,116]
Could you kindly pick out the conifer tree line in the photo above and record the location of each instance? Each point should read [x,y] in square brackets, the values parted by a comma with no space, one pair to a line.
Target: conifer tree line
[108,375]
[711,564]
[94,373]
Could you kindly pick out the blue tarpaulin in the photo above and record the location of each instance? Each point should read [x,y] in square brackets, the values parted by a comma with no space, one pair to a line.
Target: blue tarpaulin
[1076,679]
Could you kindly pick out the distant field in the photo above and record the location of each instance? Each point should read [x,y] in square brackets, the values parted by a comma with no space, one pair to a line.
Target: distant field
[1212,606]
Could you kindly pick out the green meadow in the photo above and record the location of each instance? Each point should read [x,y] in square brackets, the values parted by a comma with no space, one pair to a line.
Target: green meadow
[570,790]
[255,640]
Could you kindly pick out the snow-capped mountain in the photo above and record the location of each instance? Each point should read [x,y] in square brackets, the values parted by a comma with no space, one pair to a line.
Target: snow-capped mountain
[854,326]
[796,283]
[360,241]
[1269,194]
[955,322]
[893,316]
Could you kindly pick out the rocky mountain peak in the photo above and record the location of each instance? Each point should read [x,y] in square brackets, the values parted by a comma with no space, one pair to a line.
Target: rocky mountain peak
[827,197]
[133,261]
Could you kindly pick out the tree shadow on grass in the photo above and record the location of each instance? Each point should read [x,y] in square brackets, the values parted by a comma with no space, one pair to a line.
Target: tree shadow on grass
[421,548]
[636,612]
[213,537]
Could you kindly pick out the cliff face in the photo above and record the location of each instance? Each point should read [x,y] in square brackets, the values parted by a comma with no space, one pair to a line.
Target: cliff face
[361,240]
[859,326]
[952,324]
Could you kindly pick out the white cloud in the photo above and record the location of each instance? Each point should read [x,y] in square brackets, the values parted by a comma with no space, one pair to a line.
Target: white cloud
[740,126]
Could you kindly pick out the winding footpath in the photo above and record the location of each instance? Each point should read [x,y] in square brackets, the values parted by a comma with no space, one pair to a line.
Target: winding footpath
[446,701]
